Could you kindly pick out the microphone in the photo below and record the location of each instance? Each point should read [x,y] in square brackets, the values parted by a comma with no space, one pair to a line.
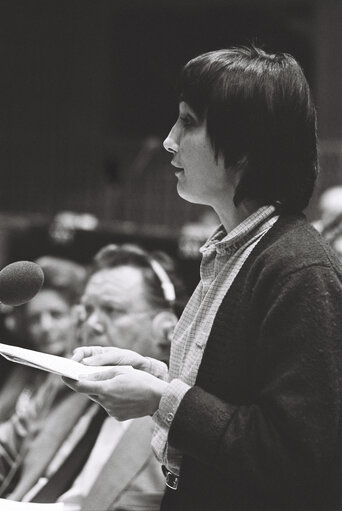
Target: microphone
[20,282]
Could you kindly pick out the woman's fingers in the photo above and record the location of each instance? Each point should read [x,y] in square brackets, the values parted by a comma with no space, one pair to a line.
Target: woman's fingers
[102,359]
[124,393]
[102,356]
[86,351]
[95,383]
[98,355]
[106,374]
[85,386]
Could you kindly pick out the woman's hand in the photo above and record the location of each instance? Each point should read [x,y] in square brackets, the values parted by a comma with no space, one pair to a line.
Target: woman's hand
[100,356]
[124,394]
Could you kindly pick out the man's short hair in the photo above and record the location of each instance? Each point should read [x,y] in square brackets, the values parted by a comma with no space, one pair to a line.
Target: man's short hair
[261,117]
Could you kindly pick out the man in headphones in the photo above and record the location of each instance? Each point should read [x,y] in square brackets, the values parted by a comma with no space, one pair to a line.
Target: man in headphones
[78,455]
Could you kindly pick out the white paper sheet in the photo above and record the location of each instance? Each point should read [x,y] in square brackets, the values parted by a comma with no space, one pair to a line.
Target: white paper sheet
[51,363]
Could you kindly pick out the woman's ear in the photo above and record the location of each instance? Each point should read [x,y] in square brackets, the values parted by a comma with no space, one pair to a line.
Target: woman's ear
[163,325]
[239,170]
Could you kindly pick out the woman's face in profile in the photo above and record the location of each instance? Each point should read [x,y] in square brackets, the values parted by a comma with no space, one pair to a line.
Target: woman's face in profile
[200,178]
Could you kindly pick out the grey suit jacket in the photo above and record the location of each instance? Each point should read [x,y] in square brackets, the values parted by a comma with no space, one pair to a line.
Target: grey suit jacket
[130,480]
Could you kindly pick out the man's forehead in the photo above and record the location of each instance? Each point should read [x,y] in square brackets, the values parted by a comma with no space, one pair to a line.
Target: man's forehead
[122,279]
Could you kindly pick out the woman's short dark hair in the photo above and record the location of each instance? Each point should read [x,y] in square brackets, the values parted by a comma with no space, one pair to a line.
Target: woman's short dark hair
[261,117]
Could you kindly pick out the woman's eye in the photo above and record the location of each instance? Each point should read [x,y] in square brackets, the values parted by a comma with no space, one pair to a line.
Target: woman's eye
[187,120]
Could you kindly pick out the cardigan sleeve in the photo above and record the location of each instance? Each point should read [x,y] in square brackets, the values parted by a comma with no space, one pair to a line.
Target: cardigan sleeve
[288,434]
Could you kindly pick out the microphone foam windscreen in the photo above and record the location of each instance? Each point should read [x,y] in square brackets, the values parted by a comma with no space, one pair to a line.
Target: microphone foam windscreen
[20,282]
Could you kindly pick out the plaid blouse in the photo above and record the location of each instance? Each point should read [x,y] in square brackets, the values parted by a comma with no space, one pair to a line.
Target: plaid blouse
[222,258]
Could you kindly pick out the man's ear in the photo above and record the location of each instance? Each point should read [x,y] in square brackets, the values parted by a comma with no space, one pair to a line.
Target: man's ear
[163,325]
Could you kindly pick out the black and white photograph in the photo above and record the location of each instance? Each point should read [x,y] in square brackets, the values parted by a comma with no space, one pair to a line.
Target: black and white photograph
[171,255]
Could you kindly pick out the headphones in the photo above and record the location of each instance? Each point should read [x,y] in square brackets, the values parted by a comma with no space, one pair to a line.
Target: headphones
[165,281]
[111,252]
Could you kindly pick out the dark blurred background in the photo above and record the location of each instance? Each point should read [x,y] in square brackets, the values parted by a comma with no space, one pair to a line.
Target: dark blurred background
[88,94]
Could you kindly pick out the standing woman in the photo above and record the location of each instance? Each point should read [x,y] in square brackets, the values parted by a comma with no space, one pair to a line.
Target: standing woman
[249,415]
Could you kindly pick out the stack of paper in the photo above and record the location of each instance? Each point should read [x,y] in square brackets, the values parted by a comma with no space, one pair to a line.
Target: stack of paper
[51,363]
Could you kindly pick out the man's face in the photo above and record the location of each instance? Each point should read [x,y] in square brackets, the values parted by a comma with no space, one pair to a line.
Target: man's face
[117,312]
[49,322]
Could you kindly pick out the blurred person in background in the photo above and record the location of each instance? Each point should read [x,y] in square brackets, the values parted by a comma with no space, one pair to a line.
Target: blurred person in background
[248,415]
[329,223]
[329,207]
[7,337]
[46,324]
[76,454]
[332,232]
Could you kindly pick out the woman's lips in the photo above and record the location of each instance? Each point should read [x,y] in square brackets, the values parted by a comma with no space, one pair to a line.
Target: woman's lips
[179,169]
[177,165]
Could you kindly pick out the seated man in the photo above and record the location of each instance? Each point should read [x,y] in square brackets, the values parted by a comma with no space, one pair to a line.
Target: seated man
[44,324]
[73,457]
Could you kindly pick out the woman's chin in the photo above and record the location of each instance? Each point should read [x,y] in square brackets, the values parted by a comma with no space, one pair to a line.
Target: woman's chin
[188,195]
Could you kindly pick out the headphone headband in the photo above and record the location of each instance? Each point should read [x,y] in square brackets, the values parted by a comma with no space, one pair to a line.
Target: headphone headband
[165,281]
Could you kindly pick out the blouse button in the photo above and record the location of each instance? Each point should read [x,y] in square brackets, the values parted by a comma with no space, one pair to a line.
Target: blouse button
[169,417]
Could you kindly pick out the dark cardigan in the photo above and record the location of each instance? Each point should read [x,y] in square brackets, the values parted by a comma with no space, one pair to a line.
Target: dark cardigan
[261,429]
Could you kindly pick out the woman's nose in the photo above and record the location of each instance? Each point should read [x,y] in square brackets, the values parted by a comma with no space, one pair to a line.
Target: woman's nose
[171,141]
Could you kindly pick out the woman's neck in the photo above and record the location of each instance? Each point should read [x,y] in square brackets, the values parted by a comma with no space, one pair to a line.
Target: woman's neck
[232,216]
